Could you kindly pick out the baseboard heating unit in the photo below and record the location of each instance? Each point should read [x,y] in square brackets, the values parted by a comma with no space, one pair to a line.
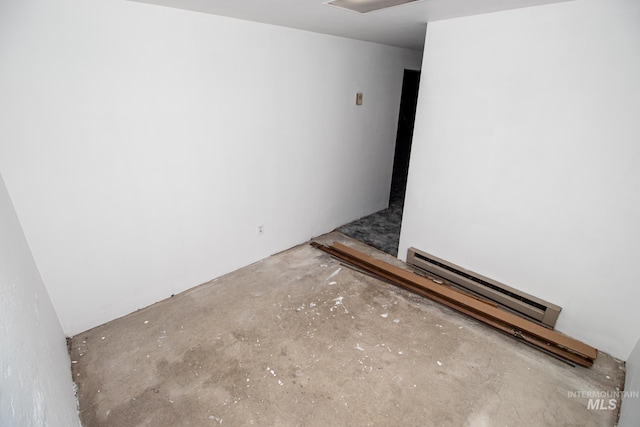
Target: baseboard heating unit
[512,299]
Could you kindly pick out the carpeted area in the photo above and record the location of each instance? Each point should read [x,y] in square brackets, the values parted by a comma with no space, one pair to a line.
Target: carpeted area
[382,229]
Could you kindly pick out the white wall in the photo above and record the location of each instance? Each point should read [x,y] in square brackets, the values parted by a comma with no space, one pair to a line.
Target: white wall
[35,374]
[143,145]
[630,410]
[525,158]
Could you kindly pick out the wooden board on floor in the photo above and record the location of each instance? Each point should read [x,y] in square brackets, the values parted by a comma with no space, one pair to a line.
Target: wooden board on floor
[548,340]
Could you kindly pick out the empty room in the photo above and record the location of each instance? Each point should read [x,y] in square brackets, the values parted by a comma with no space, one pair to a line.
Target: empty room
[177,179]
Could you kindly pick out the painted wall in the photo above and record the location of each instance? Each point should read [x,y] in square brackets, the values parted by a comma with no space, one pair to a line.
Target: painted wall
[35,375]
[630,410]
[525,158]
[142,145]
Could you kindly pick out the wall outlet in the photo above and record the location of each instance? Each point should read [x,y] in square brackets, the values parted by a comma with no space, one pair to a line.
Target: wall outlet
[260,229]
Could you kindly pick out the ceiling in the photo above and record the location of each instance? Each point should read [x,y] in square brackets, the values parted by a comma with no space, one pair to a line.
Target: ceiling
[401,26]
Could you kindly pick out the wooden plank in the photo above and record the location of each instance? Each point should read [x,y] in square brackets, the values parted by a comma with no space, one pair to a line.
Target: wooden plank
[475,304]
[548,340]
[547,347]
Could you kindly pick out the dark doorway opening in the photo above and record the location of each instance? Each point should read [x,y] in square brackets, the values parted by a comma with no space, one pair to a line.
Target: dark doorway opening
[382,229]
[404,136]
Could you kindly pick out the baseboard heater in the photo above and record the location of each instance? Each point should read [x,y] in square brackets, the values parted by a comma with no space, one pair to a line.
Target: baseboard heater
[521,328]
[512,299]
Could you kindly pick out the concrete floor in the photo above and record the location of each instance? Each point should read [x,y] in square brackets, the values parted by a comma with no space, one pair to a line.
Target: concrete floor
[299,340]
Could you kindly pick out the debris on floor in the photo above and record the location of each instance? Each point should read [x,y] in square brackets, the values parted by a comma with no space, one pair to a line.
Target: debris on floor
[434,366]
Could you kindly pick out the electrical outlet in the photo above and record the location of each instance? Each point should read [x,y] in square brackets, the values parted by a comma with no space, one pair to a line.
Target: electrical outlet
[260,229]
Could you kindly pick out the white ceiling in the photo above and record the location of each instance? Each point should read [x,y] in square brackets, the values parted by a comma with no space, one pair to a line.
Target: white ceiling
[402,26]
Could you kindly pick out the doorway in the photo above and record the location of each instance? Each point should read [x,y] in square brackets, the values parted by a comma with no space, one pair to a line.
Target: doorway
[404,136]
[382,229]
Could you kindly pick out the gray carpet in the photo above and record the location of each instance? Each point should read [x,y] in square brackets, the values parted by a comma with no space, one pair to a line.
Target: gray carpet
[380,230]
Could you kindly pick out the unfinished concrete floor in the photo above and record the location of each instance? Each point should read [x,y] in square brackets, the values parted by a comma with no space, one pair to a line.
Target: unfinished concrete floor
[299,340]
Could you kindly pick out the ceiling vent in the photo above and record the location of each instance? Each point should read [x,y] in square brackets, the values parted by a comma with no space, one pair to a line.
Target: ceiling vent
[364,6]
